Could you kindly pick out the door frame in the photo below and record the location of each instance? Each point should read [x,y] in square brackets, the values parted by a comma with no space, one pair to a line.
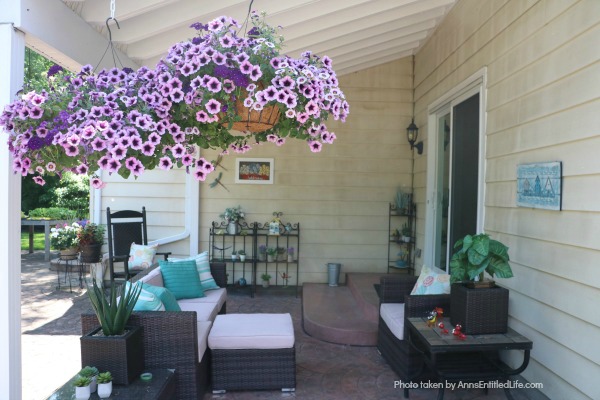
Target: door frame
[476,83]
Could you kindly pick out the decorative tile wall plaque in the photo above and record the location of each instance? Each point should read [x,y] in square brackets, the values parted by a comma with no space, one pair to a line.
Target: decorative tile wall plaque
[254,170]
[539,185]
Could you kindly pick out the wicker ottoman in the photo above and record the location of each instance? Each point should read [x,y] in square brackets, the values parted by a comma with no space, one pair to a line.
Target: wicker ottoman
[252,352]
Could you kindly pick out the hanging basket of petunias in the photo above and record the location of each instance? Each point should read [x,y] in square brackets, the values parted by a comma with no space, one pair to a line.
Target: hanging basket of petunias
[216,91]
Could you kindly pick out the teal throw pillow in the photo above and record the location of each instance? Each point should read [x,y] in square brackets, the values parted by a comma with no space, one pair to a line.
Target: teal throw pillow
[181,278]
[165,296]
[203,267]
[147,301]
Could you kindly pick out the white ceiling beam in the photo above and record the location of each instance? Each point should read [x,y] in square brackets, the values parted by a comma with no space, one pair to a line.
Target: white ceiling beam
[367,53]
[186,12]
[368,14]
[381,32]
[357,65]
[95,12]
[72,45]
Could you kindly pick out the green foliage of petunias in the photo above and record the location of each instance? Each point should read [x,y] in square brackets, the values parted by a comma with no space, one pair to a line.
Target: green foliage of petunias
[476,254]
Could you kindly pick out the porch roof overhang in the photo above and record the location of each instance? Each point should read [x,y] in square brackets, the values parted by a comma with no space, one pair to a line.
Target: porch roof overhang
[356,34]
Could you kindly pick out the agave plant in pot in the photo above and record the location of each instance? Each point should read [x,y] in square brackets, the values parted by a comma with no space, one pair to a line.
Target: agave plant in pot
[480,306]
[114,345]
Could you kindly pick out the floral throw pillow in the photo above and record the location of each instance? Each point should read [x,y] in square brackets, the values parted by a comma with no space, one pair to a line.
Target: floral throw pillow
[432,281]
[140,256]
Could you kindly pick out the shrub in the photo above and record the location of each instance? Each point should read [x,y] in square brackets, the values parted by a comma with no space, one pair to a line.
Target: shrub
[53,213]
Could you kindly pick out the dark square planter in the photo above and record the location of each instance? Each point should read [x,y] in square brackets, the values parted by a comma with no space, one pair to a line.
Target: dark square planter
[479,310]
[122,355]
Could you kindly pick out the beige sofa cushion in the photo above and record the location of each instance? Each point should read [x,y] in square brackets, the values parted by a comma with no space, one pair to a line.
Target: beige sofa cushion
[393,316]
[203,330]
[252,331]
[204,311]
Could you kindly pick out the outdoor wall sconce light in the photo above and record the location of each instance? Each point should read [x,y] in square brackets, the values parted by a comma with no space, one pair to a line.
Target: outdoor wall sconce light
[412,133]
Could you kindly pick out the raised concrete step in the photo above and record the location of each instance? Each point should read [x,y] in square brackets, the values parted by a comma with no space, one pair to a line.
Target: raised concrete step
[332,314]
[361,286]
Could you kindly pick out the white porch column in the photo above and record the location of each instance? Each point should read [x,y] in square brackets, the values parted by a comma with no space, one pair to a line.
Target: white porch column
[12,48]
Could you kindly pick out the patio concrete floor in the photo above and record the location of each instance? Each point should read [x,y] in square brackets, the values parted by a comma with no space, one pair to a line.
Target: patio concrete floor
[51,331]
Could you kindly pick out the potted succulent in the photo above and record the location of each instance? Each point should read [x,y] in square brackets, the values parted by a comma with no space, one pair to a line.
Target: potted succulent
[242,255]
[265,279]
[406,233]
[90,372]
[290,254]
[271,254]
[232,216]
[479,306]
[90,238]
[104,384]
[82,388]
[234,255]
[114,344]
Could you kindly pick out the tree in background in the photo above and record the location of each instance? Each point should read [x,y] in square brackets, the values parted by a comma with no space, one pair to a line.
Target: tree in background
[69,191]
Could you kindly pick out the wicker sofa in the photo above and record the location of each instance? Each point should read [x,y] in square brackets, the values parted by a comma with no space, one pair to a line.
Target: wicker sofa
[171,338]
[404,360]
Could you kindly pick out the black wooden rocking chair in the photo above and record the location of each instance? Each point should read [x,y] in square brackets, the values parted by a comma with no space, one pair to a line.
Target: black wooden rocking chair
[124,228]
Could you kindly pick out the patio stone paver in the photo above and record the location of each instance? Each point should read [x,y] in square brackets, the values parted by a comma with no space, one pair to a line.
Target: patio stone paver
[325,371]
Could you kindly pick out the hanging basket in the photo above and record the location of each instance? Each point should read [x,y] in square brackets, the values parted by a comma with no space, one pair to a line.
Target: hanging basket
[253,120]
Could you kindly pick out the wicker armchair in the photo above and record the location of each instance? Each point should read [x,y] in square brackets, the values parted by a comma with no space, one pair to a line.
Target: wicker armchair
[171,341]
[404,360]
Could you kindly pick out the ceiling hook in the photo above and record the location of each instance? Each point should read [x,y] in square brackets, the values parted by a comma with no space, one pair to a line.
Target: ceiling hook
[108,27]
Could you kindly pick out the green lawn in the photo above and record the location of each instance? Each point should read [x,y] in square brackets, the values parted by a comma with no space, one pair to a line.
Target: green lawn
[38,241]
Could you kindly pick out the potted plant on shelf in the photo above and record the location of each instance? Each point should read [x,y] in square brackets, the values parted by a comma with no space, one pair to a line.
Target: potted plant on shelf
[290,254]
[262,252]
[82,388]
[479,306]
[234,255]
[114,345]
[90,372]
[406,233]
[232,216]
[265,279]
[64,238]
[281,254]
[242,255]
[91,238]
[104,384]
[271,254]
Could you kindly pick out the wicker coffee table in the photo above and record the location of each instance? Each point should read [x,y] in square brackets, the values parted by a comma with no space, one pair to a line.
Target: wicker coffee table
[474,359]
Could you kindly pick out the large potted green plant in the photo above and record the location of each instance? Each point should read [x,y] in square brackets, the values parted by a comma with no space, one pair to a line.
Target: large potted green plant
[113,345]
[91,238]
[479,306]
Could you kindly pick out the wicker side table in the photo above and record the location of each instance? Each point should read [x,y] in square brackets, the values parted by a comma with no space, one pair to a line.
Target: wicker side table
[161,387]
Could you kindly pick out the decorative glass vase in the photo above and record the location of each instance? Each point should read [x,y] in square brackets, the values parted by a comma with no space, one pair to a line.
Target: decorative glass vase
[232,228]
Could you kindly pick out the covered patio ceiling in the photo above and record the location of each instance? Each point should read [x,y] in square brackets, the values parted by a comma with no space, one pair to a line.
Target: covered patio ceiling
[357,34]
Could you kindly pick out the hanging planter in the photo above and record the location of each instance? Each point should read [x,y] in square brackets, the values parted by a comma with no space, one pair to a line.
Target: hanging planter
[125,122]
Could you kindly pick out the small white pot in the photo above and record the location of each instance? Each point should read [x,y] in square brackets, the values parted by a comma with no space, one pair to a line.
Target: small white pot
[234,257]
[265,284]
[290,258]
[82,393]
[104,390]
[242,257]
[93,384]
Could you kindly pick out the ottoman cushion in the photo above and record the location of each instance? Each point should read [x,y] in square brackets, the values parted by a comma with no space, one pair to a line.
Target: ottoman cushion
[252,331]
